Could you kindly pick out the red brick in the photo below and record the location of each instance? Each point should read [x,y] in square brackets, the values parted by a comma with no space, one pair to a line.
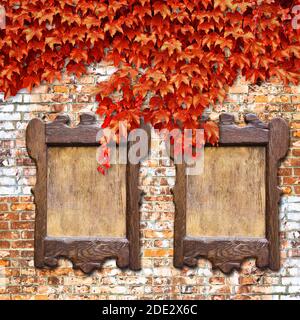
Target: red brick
[288,108]
[22,244]
[26,199]
[166,234]
[27,234]
[4,225]
[22,225]
[222,297]
[24,162]
[12,272]
[9,235]
[291,180]
[27,215]
[10,216]
[13,289]
[158,252]
[296,133]
[284,171]
[249,280]
[296,152]
[60,89]
[3,207]
[27,253]
[287,190]
[222,289]
[295,99]
[261,99]
[293,162]
[4,263]
[14,253]
[297,189]
[217,280]
[88,90]
[53,281]
[58,108]
[9,199]
[4,244]
[22,207]
[295,125]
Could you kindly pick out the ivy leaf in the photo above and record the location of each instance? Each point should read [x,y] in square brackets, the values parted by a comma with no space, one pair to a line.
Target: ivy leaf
[174,58]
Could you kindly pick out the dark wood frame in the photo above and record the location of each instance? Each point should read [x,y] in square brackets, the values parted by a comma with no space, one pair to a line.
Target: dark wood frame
[88,253]
[228,253]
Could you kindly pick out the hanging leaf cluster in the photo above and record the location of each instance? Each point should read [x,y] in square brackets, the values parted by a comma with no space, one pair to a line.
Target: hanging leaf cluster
[174,58]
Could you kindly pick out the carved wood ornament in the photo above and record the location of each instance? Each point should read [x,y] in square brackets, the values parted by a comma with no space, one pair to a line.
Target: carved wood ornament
[86,253]
[227,253]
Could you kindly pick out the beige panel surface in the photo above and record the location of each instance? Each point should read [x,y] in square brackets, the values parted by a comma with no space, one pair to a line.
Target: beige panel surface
[81,201]
[228,199]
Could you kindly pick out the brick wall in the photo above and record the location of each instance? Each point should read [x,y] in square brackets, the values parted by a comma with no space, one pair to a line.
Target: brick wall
[158,279]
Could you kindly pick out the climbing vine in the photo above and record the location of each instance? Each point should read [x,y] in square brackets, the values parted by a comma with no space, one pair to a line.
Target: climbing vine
[174,58]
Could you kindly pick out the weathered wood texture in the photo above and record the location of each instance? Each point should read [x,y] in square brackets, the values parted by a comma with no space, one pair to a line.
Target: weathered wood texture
[60,133]
[133,201]
[277,150]
[244,186]
[180,196]
[228,199]
[86,254]
[37,150]
[81,201]
[255,133]
[81,215]
[227,253]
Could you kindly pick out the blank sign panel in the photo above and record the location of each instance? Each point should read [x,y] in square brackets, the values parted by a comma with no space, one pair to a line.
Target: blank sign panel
[81,201]
[229,198]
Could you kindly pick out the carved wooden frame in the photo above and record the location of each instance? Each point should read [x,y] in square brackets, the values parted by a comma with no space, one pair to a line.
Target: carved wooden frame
[228,253]
[87,253]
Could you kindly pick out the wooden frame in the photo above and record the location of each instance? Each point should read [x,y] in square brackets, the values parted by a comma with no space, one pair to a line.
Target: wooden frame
[86,253]
[227,253]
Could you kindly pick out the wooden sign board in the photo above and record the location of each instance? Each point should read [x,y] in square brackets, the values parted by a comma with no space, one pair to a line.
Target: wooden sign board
[81,214]
[230,212]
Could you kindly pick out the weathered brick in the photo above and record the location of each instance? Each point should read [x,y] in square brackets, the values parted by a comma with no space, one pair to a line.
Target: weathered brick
[22,225]
[10,216]
[297,189]
[296,99]
[22,244]
[4,116]
[7,181]
[22,207]
[292,162]
[60,89]
[158,252]
[217,280]
[4,244]
[291,180]
[27,234]
[8,134]
[8,235]
[158,279]
[260,99]
[3,207]
[4,225]
[158,234]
